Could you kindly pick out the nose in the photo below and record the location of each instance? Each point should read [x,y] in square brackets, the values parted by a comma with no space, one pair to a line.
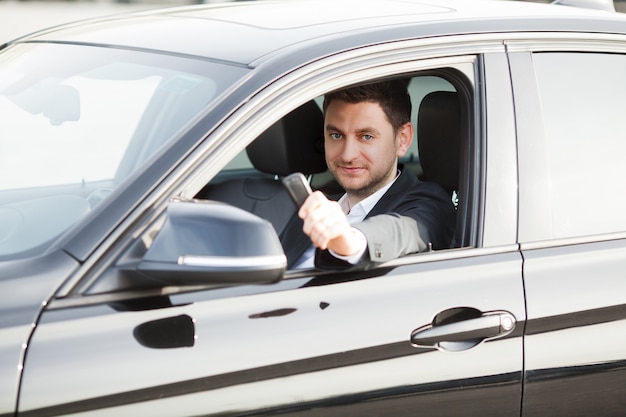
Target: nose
[350,149]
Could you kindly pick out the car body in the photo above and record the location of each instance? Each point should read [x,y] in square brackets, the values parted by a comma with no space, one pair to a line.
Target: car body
[126,290]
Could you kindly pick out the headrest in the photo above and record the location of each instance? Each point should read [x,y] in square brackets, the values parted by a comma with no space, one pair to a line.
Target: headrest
[439,138]
[293,144]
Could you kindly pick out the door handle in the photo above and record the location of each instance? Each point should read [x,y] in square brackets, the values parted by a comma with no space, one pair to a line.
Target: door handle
[465,333]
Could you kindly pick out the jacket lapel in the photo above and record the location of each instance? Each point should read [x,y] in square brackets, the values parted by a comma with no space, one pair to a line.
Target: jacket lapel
[395,192]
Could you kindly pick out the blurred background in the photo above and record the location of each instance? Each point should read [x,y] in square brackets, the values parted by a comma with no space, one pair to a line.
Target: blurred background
[21,17]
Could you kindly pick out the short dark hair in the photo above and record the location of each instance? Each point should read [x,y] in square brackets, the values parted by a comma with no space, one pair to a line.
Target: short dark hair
[392,96]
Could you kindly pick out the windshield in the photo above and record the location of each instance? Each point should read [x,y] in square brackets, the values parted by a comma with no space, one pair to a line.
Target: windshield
[76,120]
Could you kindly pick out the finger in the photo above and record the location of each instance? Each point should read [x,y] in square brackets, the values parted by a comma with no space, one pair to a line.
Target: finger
[322,235]
[313,201]
[328,229]
[317,229]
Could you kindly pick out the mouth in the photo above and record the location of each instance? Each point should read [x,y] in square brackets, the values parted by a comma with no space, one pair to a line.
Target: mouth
[350,170]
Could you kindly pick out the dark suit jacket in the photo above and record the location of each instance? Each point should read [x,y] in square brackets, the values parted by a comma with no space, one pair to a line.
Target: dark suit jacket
[409,216]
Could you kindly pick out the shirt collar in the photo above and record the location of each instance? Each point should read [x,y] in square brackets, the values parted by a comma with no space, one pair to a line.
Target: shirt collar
[363,207]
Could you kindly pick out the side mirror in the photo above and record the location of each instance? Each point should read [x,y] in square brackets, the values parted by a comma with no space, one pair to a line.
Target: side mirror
[211,243]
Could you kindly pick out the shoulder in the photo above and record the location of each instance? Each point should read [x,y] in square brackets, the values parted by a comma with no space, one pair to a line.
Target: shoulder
[408,184]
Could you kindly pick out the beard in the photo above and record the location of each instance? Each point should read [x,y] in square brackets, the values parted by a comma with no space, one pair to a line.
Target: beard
[365,188]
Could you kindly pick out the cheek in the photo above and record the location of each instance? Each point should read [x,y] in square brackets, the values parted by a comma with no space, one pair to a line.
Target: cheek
[331,149]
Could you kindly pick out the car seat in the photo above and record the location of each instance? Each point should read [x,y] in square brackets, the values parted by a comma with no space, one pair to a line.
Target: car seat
[439,141]
[295,143]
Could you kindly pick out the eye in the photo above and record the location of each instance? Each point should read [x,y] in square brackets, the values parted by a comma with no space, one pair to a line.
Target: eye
[367,138]
[335,136]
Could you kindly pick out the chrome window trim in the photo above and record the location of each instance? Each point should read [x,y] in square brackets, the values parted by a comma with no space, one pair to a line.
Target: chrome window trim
[570,241]
[293,279]
[566,42]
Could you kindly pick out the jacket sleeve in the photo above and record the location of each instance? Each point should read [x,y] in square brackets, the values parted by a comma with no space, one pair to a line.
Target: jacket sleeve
[411,220]
[390,236]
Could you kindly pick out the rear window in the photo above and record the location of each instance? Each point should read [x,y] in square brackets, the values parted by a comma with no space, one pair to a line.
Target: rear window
[583,97]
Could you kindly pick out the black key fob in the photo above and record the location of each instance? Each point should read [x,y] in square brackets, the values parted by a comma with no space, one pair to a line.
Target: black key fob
[298,187]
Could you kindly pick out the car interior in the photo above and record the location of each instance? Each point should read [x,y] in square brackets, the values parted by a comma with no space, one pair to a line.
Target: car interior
[295,144]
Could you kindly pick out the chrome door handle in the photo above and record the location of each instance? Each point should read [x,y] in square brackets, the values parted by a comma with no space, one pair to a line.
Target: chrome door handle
[464,334]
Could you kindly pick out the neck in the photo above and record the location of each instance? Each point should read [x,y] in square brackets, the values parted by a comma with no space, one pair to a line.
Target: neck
[356,196]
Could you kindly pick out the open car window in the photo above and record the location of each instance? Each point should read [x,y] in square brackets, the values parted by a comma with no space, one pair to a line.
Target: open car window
[442,146]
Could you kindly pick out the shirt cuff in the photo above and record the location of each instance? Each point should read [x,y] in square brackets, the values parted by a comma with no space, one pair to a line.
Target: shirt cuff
[355,258]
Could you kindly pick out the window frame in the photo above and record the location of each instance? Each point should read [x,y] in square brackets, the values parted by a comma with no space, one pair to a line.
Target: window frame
[535,213]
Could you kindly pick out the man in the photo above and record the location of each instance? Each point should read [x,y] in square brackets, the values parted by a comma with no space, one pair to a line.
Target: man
[384,213]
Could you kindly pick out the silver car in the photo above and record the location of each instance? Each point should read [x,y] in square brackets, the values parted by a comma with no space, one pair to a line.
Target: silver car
[142,266]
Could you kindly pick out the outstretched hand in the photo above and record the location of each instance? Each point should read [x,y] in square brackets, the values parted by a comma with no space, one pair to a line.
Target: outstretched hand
[326,225]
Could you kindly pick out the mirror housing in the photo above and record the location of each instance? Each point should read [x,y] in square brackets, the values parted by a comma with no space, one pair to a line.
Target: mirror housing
[211,243]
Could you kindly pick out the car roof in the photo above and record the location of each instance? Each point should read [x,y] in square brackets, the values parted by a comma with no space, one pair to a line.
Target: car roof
[246,33]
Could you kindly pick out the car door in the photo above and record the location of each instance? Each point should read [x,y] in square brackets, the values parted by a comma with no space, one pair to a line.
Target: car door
[342,348]
[572,225]
[437,333]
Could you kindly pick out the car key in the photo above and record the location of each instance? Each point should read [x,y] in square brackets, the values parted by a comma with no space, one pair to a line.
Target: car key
[298,187]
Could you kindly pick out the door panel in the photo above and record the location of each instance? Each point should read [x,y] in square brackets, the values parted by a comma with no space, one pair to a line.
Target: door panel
[570,199]
[336,349]
[576,345]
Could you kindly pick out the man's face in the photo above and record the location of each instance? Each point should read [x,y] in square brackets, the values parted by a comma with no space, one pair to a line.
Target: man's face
[361,146]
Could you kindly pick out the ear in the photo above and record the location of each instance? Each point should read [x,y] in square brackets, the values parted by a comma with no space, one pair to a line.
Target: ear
[404,139]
